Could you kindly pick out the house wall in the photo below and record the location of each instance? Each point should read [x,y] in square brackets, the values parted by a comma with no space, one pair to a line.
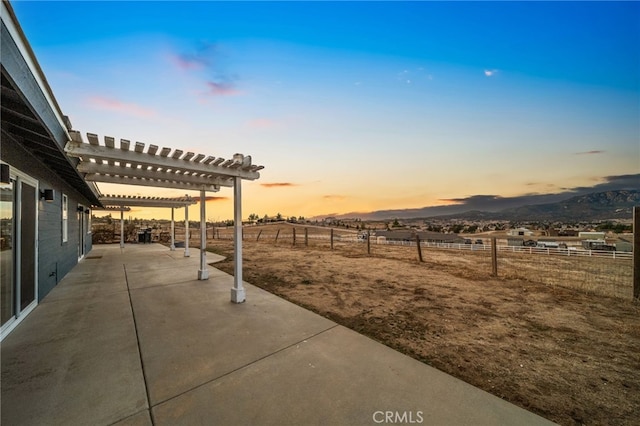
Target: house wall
[55,257]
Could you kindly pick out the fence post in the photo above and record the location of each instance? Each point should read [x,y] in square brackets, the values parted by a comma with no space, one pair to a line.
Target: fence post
[368,243]
[258,237]
[294,235]
[277,233]
[636,252]
[494,257]
[331,238]
[419,248]
[306,237]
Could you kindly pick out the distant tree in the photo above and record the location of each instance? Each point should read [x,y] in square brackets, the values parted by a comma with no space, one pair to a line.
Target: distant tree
[457,228]
[396,224]
[253,217]
[278,217]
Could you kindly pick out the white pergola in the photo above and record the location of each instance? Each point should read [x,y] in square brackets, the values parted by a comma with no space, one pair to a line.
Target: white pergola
[124,203]
[135,164]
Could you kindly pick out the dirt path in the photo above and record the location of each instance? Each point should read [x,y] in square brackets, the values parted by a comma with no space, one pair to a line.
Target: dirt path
[568,356]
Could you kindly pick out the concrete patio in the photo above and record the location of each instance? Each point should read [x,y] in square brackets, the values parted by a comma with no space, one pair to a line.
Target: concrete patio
[131,337]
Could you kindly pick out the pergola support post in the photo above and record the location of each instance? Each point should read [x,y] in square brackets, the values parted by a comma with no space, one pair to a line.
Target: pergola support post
[203,273]
[121,228]
[173,232]
[237,292]
[186,231]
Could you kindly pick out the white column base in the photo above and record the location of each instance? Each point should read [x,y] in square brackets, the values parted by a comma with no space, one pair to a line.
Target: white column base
[203,274]
[121,245]
[238,295]
[172,248]
[186,253]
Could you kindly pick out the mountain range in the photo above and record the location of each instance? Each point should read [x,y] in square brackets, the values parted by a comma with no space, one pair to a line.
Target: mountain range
[615,204]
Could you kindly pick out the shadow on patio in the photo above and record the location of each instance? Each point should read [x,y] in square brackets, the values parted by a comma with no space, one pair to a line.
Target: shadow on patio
[132,337]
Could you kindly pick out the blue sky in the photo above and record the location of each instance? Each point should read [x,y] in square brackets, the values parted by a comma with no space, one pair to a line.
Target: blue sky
[358,106]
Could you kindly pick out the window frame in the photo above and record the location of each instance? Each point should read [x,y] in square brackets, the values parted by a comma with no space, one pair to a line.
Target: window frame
[65,218]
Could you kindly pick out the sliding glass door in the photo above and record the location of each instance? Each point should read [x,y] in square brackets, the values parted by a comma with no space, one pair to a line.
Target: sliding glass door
[18,235]
[7,309]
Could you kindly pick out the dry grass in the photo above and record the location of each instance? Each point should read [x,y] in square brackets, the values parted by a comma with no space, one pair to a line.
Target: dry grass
[567,355]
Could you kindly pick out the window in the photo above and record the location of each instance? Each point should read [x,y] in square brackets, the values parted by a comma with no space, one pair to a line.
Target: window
[65,218]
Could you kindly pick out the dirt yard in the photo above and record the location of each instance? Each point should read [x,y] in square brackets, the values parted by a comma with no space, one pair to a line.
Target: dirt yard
[571,357]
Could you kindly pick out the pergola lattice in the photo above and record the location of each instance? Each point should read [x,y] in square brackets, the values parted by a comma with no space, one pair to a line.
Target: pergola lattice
[130,164]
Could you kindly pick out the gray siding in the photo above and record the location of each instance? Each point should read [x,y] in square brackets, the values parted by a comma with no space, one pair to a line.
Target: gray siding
[55,258]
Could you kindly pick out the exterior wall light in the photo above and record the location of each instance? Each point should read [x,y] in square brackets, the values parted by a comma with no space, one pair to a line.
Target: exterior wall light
[47,195]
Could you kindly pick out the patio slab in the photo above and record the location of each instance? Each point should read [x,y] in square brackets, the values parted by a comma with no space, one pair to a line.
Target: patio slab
[73,361]
[190,333]
[339,377]
[130,337]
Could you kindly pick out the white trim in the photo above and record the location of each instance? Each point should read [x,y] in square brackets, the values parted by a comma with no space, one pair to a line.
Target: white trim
[13,322]
[20,177]
[65,217]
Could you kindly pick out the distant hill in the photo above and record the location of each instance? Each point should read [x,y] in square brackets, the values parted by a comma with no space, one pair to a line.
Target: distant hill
[595,206]
[612,204]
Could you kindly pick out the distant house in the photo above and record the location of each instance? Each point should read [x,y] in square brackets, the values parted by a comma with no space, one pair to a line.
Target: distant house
[591,235]
[438,237]
[410,235]
[520,232]
[567,233]
[397,235]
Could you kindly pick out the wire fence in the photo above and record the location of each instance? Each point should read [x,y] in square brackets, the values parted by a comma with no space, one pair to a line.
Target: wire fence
[597,272]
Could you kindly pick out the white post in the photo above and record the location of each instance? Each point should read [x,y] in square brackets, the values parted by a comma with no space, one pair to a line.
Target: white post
[186,230]
[203,273]
[237,292]
[121,226]
[173,232]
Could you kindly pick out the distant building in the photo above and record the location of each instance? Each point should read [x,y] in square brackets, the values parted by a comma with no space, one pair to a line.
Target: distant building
[410,235]
[520,232]
[592,235]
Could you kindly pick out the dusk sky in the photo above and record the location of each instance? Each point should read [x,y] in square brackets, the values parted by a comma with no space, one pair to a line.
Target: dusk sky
[356,106]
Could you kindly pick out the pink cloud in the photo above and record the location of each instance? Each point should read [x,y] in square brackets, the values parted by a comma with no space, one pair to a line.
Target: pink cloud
[187,63]
[221,89]
[262,123]
[277,184]
[111,104]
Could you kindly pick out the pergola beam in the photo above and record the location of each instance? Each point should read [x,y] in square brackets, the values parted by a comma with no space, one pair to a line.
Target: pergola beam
[124,180]
[143,173]
[146,201]
[242,166]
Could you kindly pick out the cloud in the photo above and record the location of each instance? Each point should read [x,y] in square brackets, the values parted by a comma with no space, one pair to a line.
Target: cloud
[332,197]
[490,73]
[262,123]
[202,56]
[277,184]
[111,104]
[187,62]
[221,89]
[208,62]
[590,152]
[214,198]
